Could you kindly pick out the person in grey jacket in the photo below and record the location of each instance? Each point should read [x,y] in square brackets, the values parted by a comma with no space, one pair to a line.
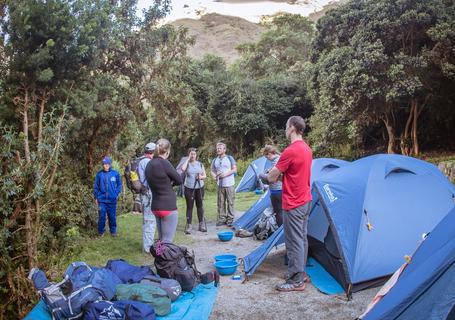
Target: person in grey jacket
[195,175]
[148,218]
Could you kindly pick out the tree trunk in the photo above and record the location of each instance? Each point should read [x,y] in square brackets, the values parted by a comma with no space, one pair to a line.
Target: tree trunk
[406,143]
[90,150]
[415,141]
[391,137]
[29,235]
[415,123]
[389,123]
[25,127]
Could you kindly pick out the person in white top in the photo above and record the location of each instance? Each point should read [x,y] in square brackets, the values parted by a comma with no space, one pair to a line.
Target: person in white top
[223,169]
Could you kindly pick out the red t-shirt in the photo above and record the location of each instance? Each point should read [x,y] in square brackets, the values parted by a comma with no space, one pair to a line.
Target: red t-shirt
[295,165]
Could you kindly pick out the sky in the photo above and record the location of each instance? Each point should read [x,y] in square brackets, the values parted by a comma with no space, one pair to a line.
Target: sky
[251,10]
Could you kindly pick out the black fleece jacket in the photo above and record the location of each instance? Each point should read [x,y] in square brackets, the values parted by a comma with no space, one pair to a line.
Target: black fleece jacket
[161,176]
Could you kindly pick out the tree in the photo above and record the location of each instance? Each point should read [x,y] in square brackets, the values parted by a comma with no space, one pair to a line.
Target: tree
[384,73]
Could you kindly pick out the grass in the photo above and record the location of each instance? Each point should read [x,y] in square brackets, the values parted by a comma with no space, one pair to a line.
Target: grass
[128,246]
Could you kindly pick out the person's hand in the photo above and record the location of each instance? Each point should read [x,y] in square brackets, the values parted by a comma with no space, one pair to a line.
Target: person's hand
[96,201]
[263,178]
[221,175]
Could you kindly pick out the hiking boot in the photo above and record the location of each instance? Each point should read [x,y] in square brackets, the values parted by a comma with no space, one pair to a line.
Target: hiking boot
[220,223]
[188,229]
[288,287]
[115,235]
[100,235]
[229,223]
[202,227]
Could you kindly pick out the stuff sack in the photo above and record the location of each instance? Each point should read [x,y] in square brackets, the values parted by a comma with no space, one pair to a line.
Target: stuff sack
[171,286]
[151,295]
[81,285]
[128,273]
[266,225]
[176,262]
[118,310]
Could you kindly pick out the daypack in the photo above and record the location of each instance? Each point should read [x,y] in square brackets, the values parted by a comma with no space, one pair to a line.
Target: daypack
[132,177]
[118,310]
[176,262]
[81,285]
[127,272]
[231,160]
[171,286]
[151,295]
[266,225]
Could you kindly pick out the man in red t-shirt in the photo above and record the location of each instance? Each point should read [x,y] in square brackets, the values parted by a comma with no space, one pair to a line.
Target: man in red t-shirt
[295,167]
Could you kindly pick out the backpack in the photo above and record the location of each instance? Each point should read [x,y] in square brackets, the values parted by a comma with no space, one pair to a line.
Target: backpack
[231,160]
[127,272]
[81,285]
[176,262]
[266,225]
[132,177]
[118,310]
[151,295]
[171,286]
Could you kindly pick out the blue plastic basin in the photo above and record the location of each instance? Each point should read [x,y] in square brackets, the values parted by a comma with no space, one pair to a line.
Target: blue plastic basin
[226,267]
[226,257]
[225,235]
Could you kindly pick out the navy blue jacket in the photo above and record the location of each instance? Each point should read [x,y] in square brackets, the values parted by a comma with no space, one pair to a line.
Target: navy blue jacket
[107,187]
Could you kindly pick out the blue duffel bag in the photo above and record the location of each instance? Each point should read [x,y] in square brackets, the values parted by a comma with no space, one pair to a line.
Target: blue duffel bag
[118,310]
[81,285]
[127,272]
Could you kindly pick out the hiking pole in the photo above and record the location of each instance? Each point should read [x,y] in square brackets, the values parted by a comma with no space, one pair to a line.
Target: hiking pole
[202,200]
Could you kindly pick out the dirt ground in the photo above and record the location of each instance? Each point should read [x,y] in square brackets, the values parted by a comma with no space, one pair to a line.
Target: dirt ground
[257,299]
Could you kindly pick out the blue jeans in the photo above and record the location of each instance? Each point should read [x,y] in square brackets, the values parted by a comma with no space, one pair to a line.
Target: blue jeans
[110,210]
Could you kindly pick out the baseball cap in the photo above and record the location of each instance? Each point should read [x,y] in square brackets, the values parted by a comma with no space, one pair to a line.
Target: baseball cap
[150,146]
[107,160]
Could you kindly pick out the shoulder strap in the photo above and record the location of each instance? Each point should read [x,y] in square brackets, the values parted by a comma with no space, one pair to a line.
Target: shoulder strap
[231,160]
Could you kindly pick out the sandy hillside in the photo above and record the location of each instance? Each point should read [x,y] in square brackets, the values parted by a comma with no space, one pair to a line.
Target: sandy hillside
[220,35]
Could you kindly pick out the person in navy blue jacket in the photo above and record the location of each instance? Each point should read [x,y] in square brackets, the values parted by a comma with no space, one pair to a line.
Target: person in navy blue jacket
[107,187]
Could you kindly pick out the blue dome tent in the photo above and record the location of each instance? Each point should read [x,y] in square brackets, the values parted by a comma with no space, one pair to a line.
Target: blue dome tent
[368,215]
[425,289]
[250,181]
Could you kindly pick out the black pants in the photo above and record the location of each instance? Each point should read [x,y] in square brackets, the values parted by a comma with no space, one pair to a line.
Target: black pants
[277,207]
[192,196]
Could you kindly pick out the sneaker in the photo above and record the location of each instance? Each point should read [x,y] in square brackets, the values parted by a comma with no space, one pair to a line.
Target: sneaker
[306,278]
[100,235]
[115,235]
[288,287]
[188,229]
[242,233]
[202,227]
[220,223]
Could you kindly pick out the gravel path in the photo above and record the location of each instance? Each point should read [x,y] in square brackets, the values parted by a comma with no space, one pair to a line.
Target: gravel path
[257,299]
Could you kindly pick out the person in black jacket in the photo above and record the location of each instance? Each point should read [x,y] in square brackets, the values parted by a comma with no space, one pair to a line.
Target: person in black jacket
[161,177]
